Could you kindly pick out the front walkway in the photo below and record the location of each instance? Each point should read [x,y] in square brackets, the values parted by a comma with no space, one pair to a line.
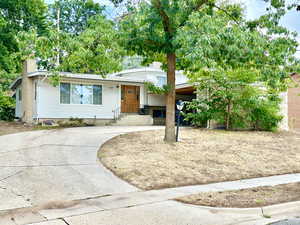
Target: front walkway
[54,178]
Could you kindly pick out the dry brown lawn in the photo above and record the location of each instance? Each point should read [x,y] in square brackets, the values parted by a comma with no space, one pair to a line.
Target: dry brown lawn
[13,127]
[247,198]
[202,156]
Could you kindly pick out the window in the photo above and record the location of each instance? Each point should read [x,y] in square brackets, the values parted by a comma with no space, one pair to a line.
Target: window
[161,81]
[97,95]
[76,94]
[65,93]
[35,90]
[20,94]
[80,94]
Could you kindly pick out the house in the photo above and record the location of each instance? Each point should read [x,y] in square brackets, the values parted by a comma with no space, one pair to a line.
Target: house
[89,96]
[121,95]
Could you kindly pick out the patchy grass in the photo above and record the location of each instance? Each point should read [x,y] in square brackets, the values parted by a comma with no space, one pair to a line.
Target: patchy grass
[17,127]
[13,127]
[202,156]
[247,198]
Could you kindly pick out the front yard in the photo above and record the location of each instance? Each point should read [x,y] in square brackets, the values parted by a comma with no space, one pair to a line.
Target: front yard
[247,198]
[202,156]
[13,127]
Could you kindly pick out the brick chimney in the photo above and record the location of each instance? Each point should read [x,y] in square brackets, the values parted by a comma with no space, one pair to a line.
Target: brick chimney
[29,66]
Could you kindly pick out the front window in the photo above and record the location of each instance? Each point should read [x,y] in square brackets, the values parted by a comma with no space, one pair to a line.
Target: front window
[161,81]
[80,94]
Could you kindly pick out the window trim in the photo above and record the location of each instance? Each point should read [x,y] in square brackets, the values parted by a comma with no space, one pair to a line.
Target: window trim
[75,83]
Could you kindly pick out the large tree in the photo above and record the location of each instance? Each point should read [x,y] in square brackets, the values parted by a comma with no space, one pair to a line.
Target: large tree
[73,15]
[150,29]
[238,70]
[24,14]
[15,16]
[96,50]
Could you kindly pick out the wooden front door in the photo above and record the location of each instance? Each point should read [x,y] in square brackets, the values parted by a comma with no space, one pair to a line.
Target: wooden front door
[130,99]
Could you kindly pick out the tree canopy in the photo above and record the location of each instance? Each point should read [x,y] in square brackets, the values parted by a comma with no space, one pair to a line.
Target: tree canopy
[16,16]
[73,15]
[92,51]
[96,50]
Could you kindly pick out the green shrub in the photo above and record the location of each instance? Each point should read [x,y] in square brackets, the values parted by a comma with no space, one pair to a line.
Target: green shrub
[74,122]
[249,110]
[265,116]
[75,119]
[198,114]
[7,108]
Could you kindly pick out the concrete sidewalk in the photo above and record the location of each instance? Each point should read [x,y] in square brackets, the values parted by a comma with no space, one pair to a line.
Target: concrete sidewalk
[156,205]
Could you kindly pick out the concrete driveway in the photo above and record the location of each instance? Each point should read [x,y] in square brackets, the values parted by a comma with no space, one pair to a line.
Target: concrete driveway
[52,165]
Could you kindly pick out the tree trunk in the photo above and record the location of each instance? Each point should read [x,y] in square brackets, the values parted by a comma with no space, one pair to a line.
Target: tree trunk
[170,100]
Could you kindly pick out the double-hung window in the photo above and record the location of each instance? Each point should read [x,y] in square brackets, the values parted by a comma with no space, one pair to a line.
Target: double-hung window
[80,94]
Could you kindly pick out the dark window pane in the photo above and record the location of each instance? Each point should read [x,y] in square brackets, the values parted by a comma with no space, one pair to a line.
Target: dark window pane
[35,90]
[97,94]
[65,93]
[20,94]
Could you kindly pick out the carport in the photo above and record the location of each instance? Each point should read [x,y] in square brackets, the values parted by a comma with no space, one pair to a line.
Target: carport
[184,92]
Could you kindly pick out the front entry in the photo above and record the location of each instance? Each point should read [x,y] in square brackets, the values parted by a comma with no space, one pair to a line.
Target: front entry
[130,99]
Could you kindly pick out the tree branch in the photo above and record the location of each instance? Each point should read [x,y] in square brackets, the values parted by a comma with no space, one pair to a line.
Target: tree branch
[228,14]
[193,9]
[153,43]
[164,16]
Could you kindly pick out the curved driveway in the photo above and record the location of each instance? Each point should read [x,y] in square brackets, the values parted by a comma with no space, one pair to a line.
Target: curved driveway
[42,166]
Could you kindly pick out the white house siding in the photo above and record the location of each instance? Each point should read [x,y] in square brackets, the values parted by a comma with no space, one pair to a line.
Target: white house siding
[181,78]
[49,103]
[143,96]
[156,100]
[18,111]
[284,124]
